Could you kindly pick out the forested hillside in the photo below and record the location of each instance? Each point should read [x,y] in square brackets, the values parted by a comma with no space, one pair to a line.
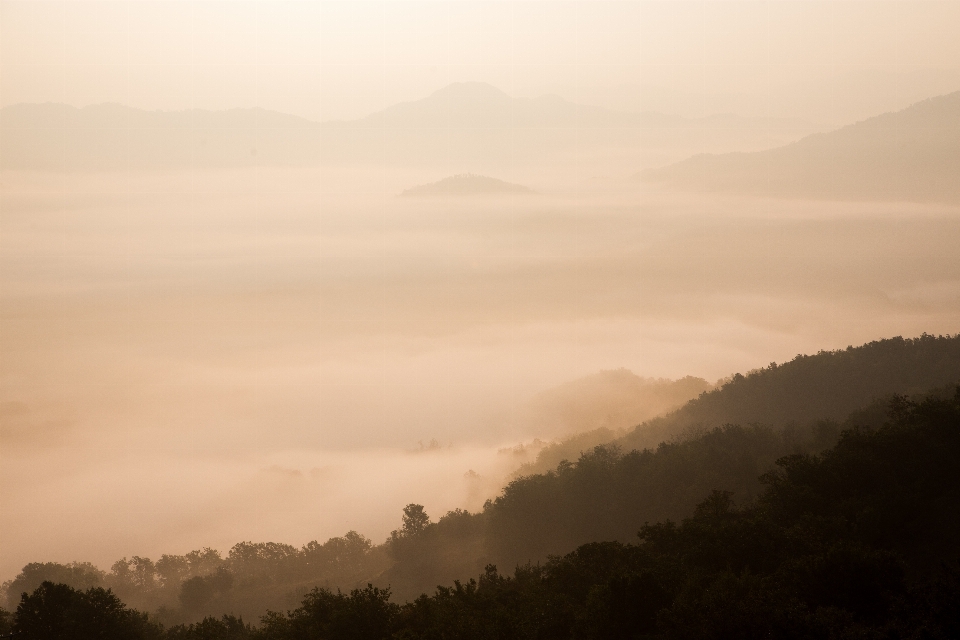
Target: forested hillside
[828,385]
[726,440]
[858,541]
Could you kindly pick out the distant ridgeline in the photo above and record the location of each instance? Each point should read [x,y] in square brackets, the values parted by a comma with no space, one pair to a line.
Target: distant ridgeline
[913,154]
[52,137]
[453,126]
[466,184]
[812,501]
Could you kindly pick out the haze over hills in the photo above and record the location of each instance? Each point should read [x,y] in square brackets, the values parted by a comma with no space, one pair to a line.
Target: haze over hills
[913,154]
[464,124]
[612,399]
[336,302]
[599,408]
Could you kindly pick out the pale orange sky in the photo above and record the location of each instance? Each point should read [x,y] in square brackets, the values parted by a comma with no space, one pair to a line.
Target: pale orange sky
[829,61]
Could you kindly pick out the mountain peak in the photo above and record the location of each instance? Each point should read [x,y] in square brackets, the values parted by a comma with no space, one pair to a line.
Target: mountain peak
[465,184]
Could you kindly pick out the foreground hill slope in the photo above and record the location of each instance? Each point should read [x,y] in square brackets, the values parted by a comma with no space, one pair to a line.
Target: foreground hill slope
[661,469]
[610,493]
[858,541]
[913,154]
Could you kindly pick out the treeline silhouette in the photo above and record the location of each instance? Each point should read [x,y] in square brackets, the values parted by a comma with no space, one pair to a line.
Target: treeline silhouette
[252,578]
[725,441]
[828,385]
[859,541]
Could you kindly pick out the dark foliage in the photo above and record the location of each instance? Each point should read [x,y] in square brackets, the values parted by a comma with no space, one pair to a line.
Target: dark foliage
[363,614]
[210,628]
[857,542]
[6,622]
[829,385]
[60,612]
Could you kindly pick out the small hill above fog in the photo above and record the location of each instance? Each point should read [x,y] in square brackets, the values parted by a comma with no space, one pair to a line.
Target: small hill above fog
[466,184]
[913,154]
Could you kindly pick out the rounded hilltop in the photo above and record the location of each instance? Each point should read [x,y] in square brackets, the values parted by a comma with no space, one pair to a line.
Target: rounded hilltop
[466,184]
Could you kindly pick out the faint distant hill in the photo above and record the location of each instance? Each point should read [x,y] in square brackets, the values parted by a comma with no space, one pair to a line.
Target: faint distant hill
[913,154]
[469,124]
[476,122]
[470,105]
[466,184]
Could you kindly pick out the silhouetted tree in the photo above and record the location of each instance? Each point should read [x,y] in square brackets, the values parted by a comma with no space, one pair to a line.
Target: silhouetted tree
[60,612]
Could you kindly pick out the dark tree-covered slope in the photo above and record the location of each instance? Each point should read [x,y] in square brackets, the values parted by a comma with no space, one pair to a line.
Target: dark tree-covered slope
[828,385]
[858,541]
[609,493]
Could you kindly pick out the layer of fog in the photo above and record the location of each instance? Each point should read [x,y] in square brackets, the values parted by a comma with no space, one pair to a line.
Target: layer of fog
[193,359]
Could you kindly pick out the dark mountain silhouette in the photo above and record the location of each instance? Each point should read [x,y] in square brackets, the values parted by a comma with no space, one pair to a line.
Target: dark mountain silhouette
[913,154]
[466,184]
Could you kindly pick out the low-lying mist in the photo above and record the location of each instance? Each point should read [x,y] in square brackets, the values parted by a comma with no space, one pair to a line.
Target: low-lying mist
[197,358]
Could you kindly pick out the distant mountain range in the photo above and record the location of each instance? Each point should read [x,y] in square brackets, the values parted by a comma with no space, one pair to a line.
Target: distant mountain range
[463,124]
[110,136]
[466,184]
[913,154]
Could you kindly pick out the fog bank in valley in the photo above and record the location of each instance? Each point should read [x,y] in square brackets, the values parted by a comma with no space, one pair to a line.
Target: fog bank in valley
[262,353]
[273,271]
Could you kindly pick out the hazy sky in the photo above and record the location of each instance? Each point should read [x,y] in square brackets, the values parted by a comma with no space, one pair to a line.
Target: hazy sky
[196,356]
[830,61]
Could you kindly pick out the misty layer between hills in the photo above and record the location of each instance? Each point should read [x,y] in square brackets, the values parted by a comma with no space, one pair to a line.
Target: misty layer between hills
[255,350]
